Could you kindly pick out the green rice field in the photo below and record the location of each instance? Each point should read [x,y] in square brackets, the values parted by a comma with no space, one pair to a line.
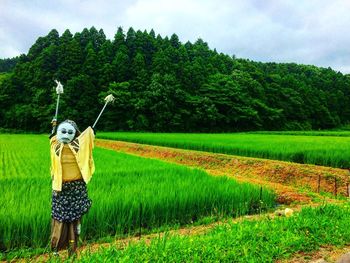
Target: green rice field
[340,133]
[129,193]
[324,150]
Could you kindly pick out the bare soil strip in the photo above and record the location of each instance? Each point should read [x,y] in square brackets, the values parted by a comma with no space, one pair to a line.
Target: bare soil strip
[330,254]
[122,243]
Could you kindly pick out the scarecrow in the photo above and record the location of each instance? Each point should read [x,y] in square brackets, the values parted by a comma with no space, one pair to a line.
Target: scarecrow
[72,167]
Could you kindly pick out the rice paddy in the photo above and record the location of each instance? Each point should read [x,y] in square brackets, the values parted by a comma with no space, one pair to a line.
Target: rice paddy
[312,149]
[129,194]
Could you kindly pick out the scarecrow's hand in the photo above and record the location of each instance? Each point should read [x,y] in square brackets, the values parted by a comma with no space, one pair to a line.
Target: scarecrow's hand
[54,125]
[54,122]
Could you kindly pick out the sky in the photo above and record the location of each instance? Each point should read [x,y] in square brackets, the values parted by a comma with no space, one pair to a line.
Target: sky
[308,32]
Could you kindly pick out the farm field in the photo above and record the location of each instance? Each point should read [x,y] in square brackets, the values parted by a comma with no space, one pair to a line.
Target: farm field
[337,133]
[129,193]
[293,182]
[121,177]
[321,150]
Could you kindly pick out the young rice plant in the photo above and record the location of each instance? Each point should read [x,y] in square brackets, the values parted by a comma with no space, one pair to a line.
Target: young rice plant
[129,193]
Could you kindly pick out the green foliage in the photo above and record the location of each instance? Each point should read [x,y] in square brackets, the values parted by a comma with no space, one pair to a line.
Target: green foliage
[3,77]
[7,64]
[330,149]
[128,192]
[195,89]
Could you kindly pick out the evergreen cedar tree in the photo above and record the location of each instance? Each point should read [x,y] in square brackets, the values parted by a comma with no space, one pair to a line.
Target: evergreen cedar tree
[163,85]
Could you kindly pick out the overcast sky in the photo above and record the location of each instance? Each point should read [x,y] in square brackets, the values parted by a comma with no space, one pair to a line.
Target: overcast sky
[302,31]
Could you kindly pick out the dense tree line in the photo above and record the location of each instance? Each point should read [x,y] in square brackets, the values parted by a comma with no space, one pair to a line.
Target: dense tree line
[161,84]
[7,64]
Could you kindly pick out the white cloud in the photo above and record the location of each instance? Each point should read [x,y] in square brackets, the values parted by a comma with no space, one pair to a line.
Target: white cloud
[308,32]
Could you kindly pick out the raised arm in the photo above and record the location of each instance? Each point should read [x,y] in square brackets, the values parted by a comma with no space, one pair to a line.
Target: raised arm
[59,91]
[54,127]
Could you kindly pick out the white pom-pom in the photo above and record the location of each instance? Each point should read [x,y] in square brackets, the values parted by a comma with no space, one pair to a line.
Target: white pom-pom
[109,98]
[59,88]
[288,212]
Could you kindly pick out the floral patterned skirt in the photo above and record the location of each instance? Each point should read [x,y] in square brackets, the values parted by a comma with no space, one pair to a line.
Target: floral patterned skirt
[71,203]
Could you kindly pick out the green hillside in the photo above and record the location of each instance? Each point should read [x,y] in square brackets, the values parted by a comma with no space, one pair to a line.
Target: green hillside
[162,84]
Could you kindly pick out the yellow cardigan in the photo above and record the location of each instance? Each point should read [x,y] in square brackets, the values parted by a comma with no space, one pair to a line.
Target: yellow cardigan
[82,149]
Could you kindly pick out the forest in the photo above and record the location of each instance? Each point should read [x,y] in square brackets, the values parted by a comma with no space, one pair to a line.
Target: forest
[163,85]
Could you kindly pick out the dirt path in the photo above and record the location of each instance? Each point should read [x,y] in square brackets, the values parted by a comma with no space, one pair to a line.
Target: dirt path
[292,182]
[329,254]
[184,231]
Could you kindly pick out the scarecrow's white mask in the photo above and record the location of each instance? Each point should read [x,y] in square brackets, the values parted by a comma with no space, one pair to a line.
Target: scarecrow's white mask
[65,132]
